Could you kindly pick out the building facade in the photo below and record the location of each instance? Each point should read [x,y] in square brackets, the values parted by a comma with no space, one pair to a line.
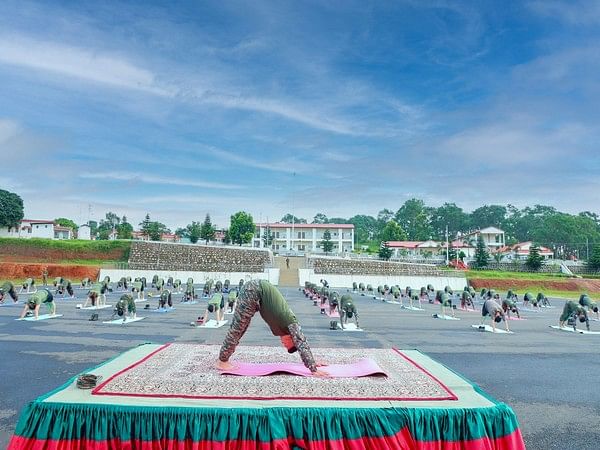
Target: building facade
[493,238]
[304,237]
[29,228]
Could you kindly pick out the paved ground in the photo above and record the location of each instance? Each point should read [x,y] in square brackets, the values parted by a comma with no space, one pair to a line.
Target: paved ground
[549,377]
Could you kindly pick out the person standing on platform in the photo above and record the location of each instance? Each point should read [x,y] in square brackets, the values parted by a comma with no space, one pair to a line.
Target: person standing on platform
[45,276]
[287,262]
[262,297]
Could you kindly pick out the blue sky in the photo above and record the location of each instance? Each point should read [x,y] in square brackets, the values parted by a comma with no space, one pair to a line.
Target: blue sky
[338,107]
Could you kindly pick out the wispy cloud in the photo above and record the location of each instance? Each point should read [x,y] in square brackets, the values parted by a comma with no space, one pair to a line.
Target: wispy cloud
[79,63]
[135,178]
[575,12]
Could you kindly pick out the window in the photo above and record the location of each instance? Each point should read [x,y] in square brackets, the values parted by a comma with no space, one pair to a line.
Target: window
[29,230]
[301,235]
[301,247]
[277,234]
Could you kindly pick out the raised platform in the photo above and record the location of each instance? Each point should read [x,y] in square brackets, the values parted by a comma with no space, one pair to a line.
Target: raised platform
[159,397]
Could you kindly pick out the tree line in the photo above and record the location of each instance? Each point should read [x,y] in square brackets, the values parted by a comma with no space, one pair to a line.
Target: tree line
[566,234]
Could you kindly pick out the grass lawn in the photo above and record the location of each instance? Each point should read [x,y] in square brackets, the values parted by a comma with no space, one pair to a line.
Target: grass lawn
[497,274]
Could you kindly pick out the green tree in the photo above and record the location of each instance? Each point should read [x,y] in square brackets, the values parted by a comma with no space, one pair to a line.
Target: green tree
[320,218]
[326,243]
[154,230]
[268,237]
[534,259]
[593,262]
[489,216]
[482,257]
[365,228]
[452,254]
[110,222]
[241,228]
[193,232]
[208,230]
[64,222]
[226,237]
[451,216]
[413,218]
[124,229]
[289,218]
[93,227]
[11,209]
[392,232]
[385,252]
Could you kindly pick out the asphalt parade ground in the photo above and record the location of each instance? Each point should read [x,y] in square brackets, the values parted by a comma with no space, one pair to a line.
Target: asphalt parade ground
[549,377]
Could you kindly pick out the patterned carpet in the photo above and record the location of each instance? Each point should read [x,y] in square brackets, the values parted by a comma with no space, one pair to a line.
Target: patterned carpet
[187,371]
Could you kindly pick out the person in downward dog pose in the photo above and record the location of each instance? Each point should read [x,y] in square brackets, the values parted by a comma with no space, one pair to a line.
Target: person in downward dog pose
[259,296]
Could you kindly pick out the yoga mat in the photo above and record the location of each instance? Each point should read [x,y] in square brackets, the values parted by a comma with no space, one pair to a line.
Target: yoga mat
[412,308]
[193,302]
[362,368]
[94,308]
[570,329]
[516,318]
[489,329]
[40,317]
[529,310]
[334,314]
[349,327]
[141,300]
[439,316]
[550,307]
[163,310]
[124,322]
[393,302]
[213,324]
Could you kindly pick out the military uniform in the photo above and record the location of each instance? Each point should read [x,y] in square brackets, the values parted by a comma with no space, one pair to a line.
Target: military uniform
[260,296]
[347,306]
[8,288]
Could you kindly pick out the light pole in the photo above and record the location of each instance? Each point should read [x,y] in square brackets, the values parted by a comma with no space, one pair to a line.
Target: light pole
[447,247]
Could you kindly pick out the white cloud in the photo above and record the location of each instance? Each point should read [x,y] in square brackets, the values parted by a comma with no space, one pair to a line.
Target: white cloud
[79,63]
[583,12]
[150,179]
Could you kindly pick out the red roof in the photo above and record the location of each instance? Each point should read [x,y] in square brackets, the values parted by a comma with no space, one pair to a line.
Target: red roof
[403,244]
[331,226]
[59,228]
[37,221]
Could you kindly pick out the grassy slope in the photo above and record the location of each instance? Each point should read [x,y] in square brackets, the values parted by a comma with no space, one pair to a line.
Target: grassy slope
[74,251]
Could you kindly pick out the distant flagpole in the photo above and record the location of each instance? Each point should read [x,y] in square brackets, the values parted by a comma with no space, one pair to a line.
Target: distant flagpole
[293,218]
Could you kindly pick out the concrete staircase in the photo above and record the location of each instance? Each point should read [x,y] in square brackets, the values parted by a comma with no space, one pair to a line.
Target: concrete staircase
[289,277]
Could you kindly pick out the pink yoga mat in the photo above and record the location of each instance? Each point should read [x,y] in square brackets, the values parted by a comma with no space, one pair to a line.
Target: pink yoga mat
[363,368]
[516,318]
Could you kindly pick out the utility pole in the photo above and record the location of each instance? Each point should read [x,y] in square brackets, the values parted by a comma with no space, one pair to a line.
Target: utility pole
[293,217]
[587,249]
[447,247]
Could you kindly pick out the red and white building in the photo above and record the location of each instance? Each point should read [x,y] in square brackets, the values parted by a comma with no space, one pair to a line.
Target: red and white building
[522,249]
[305,237]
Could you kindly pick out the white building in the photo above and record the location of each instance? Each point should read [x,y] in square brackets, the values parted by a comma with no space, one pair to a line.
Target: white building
[521,251]
[61,232]
[305,237]
[84,232]
[30,229]
[492,237]
[414,249]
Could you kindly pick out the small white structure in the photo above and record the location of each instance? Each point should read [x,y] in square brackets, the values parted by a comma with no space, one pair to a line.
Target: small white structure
[29,228]
[84,232]
[305,237]
[62,233]
[414,248]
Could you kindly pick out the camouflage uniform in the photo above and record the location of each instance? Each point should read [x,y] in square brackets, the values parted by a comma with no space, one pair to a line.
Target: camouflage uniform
[8,288]
[347,306]
[260,296]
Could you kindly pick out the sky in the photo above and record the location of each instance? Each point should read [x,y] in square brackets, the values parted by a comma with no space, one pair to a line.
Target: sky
[179,109]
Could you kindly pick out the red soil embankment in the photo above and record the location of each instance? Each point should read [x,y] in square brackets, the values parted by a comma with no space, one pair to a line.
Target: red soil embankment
[574,284]
[14,271]
[19,253]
